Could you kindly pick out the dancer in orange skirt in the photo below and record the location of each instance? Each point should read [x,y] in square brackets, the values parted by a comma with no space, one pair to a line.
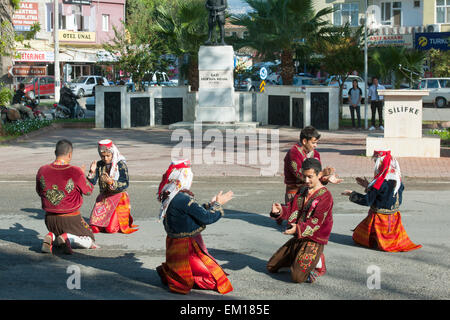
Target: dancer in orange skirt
[111,212]
[382,228]
[188,263]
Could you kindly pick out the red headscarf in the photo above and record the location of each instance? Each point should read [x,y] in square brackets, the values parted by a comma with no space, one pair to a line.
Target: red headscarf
[173,166]
[381,170]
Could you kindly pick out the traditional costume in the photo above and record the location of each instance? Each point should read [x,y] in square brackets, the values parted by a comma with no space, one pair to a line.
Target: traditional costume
[383,228]
[293,169]
[111,212]
[61,188]
[188,263]
[304,252]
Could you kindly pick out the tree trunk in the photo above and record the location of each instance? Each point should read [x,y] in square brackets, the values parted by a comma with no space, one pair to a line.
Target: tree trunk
[287,66]
[193,74]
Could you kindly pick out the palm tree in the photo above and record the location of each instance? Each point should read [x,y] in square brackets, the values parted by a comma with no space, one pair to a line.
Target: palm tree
[183,26]
[276,28]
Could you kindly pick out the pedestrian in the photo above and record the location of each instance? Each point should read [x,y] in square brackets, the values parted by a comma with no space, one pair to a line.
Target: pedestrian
[310,220]
[382,229]
[111,212]
[302,150]
[188,263]
[355,96]
[61,187]
[376,103]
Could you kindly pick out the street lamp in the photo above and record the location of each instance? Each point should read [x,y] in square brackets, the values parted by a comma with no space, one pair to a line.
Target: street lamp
[56,39]
[366,67]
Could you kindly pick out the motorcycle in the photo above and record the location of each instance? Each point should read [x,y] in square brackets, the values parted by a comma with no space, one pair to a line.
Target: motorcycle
[12,114]
[62,112]
[32,104]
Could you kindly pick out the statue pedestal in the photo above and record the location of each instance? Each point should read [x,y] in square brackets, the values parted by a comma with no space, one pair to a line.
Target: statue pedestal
[216,85]
[402,114]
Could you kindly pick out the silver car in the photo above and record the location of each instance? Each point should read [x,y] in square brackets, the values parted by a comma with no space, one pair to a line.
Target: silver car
[83,85]
[439,91]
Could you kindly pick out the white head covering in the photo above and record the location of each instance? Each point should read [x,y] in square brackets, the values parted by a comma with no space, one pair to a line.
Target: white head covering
[108,145]
[179,178]
[386,170]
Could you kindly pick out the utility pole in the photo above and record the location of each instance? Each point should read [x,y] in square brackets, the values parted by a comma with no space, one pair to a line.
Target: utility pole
[56,38]
[366,69]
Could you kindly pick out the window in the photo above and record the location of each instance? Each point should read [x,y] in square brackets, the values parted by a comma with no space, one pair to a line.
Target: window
[433,84]
[445,83]
[346,12]
[90,81]
[391,13]
[442,11]
[105,22]
[417,4]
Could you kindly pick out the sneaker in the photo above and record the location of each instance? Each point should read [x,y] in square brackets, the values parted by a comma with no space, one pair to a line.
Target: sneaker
[371,128]
[381,128]
[312,277]
[47,244]
[64,241]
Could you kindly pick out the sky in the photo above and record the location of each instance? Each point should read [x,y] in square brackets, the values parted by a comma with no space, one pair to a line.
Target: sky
[237,6]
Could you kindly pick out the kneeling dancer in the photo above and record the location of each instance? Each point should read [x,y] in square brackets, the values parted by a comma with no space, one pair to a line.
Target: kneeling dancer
[111,212]
[382,228]
[188,264]
[310,219]
[61,187]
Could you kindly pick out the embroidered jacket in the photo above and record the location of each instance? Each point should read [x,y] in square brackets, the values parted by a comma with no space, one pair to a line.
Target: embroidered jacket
[118,186]
[61,188]
[382,200]
[293,164]
[186,218]
[314,218]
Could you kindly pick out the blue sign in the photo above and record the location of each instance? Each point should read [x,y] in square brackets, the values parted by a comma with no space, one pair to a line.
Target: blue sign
[432,40]
[263,73]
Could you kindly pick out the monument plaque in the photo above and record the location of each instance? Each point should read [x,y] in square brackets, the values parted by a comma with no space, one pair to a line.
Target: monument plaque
[402,115]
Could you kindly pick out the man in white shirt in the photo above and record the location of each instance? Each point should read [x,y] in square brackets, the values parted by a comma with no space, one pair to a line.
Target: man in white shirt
[376,103]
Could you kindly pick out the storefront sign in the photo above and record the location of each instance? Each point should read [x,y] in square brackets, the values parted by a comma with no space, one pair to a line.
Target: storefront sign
[28,71]
[88,2]
[432,40]
[394,40]
[73,36]
[35,56]
[24,17]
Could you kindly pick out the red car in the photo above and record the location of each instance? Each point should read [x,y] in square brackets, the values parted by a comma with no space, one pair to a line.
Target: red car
[46,86]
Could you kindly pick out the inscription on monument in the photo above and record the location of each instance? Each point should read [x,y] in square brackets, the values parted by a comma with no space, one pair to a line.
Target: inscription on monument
[216,79]
[403,109]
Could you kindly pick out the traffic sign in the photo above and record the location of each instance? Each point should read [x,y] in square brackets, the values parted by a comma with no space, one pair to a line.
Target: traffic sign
[263,73]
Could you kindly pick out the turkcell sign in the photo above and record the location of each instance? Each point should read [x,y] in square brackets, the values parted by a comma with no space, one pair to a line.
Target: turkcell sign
[432,40]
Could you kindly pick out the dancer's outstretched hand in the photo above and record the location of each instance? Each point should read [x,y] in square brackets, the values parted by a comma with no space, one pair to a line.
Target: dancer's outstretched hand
[224,198]
[362,182]
[291,230]
[93,166]
[347,192]
[334,179]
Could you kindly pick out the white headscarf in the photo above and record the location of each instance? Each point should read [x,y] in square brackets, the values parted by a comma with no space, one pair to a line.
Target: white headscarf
[178,179]
[108,145]
[392,169]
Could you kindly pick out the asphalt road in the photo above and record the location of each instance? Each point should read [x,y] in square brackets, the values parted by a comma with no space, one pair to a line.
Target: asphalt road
[242,242]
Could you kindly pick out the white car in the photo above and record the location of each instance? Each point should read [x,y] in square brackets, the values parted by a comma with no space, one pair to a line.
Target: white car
[83,85]
[439,91]
[332,81]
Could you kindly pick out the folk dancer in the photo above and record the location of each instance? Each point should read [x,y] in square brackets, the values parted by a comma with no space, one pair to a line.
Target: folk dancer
[61,187]
[382,228]
[188,263]
[310,220]
[111,212]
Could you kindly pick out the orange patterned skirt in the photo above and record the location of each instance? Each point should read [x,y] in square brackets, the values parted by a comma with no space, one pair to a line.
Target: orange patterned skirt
[384,232]
[111,214]
[189,265]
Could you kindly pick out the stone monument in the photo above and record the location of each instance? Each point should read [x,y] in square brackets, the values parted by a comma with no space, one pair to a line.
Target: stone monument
[402,114]
[216,66]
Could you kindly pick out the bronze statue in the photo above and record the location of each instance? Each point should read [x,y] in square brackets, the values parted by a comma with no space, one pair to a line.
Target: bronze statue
[216,15]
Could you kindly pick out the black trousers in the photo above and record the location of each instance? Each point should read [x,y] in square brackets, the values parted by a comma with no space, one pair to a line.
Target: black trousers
[377,105]
[358,115]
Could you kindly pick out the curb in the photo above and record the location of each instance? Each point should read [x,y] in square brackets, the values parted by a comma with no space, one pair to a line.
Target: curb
[53,126]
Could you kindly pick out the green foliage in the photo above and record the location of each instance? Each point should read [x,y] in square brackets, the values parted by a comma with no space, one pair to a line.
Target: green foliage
[9,38]
[391,64]
[6,95]
[443,133]
[279,28]
[21,127]
[440,63]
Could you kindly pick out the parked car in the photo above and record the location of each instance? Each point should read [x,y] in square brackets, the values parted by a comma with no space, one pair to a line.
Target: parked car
[333,81]
[439,91]
[83,85]
[42,86]
[242,83]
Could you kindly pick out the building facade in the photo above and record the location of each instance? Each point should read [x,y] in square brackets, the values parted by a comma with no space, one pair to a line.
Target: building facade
[84,25]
